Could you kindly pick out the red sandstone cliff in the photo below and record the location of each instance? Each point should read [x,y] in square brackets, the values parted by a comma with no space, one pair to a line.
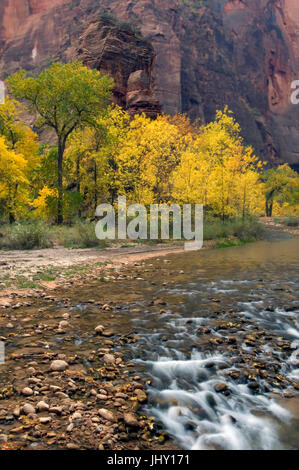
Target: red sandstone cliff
[209,53]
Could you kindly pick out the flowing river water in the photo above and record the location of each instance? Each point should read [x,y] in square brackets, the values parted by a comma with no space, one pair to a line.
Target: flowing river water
[244,300]
[218,341]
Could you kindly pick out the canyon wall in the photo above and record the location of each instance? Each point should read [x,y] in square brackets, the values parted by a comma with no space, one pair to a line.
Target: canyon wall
[190,56]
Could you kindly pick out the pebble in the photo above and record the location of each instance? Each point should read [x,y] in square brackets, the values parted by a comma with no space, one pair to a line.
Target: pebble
[58,365]
[76,416]
[72,446]
[70,427]
[106,414]
[130,420]
[54,388]
[42,406]
[27,391]
[99,329]
[16,412]
[220,387]
[107,333]
[56,409]
[45,420]
[141,395]
[109,359]
[28,409]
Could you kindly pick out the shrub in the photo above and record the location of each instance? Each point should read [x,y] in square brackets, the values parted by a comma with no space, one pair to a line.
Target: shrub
[80,235]
[291,221]
[245,230]
[26,236]
[248,229]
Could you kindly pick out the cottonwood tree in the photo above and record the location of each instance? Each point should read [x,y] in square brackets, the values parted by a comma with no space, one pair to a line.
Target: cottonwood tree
[63,97]
[13,181]
[280,184]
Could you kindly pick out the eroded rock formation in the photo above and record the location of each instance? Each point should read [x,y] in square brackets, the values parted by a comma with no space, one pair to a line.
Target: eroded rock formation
[127,57]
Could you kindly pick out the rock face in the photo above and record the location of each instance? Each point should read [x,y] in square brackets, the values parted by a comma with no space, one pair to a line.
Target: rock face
[53,31]
[128,58]
[197,57]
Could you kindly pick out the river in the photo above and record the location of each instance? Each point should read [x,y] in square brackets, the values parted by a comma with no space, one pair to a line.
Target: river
[236,293]
[216,339]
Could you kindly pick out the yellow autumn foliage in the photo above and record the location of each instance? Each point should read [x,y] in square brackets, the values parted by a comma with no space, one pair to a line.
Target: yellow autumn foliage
[13,180]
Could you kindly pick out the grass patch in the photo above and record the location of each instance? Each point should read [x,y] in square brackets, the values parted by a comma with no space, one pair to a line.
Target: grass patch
[25,236]
[291,221]
[24,283]
[80,235]
[231,243]
[246,230]
[44,277]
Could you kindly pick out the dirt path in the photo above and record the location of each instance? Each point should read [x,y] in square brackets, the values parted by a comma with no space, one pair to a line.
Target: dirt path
[65,257]
[272,226]
[22,271]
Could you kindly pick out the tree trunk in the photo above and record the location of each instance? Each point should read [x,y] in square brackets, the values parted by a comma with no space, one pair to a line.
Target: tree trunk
[78,182]
[11,215]
[269,207]
[95,175]
[61,148]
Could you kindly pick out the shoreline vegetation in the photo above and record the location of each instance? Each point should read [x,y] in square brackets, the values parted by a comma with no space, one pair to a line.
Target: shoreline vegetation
[66,241]
[70,256]
[37,234]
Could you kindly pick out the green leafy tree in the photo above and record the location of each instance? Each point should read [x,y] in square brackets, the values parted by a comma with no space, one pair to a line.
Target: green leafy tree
[280,184]
[64,98]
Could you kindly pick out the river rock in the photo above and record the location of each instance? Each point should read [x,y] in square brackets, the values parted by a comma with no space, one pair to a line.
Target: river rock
[54,388]
[58,365]
[28,409]
[141,395]
[99,329]
[45,420]
[109,359]
[106,414]
[56,409]
[221,387]
[27,391]
[107,333]
[106,307]
[42,406]
[130,420]
[70,427]
[72,446]
[16,412]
